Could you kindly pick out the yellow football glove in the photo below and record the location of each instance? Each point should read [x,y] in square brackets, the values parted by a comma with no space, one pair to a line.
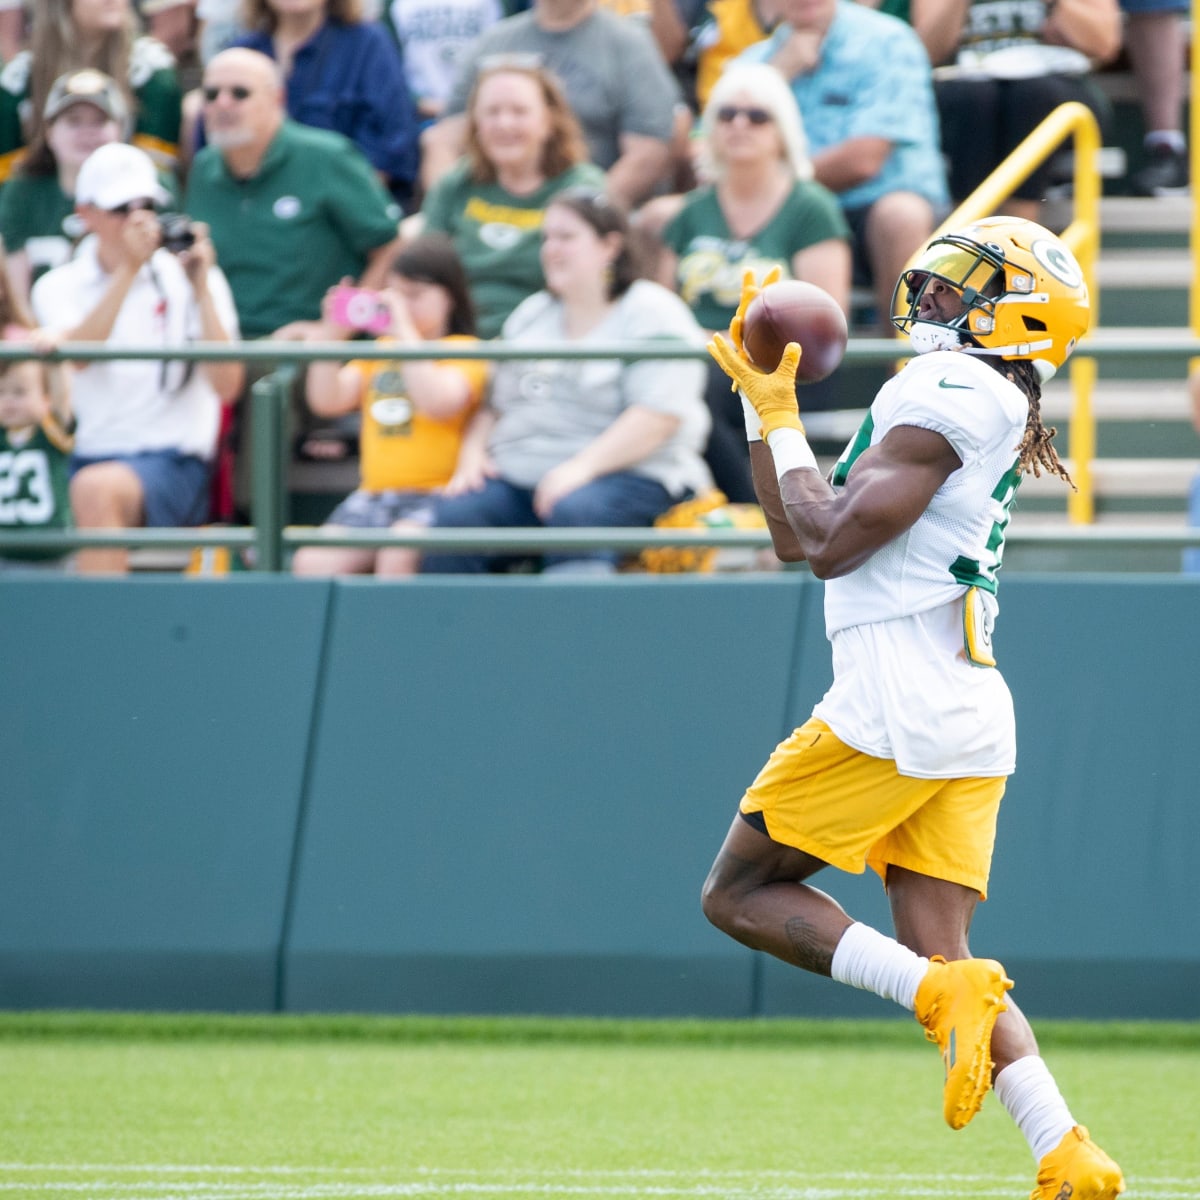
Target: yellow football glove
[750,290]
[773,396]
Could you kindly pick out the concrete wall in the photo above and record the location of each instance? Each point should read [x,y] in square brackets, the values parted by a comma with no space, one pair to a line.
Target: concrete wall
[502,796]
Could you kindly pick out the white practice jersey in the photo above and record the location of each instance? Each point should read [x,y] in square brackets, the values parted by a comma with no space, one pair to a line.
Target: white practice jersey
[904,686]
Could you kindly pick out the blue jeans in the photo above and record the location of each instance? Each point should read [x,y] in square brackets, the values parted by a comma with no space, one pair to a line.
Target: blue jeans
[620,499]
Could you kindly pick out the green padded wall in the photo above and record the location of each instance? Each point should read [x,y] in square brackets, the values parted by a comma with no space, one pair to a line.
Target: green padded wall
[153,738]
[518,788]
[503,795]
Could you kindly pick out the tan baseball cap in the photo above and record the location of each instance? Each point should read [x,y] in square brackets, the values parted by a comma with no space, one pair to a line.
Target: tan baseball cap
[87,86]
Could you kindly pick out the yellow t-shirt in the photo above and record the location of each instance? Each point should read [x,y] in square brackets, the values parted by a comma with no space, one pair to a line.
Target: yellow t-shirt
[404,449]
[734,27]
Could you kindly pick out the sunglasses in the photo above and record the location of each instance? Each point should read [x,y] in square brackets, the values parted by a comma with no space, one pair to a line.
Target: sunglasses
[132,206]
[730,112]
[237,91]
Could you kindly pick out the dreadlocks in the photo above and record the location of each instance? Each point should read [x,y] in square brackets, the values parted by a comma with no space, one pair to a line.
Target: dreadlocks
[1035,451]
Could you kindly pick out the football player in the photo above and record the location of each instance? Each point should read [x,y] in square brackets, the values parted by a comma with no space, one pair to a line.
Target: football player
[903,763]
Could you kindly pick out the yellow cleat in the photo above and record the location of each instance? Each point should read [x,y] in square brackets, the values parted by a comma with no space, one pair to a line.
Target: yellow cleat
[1077,1169]
[958,1003]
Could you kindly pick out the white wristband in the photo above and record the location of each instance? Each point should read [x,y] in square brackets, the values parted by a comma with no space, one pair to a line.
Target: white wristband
[753,420]
[790,449]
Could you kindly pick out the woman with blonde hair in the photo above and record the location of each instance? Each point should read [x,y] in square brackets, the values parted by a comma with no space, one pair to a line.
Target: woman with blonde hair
[68,35]
[759,207]
[524,145]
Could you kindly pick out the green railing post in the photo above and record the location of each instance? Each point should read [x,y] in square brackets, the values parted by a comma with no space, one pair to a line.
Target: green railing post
[268,398]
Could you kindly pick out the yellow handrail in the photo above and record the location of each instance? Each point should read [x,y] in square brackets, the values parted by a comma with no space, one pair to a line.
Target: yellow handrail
[1082,235]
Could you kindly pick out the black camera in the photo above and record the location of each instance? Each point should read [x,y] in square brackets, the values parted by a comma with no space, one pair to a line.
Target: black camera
[177,232]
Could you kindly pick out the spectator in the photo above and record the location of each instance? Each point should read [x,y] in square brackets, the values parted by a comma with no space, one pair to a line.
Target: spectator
[433,37]
[147,429]
[1156,38]
[172,22]
[35,447]
[218,27]
[413,412]
[341,74]
[292,210]
[35,434]
[762,209]
[85,109]
[725,29]
[583,442]
[612,75]
[103,34]
[523,145]
[864,86]
[1013,66]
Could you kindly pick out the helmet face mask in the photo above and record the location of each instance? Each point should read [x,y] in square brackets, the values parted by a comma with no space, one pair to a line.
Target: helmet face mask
[1022,292]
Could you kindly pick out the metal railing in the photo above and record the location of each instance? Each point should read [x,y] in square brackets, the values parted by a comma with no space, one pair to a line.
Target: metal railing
[270,538]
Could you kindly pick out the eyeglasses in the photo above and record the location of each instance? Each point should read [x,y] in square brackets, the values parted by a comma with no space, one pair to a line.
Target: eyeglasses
[131,206]
[728,113]
[237,91]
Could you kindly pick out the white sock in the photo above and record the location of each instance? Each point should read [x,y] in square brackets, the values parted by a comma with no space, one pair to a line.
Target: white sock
[868,959]
[1173,138]
[1031,1097]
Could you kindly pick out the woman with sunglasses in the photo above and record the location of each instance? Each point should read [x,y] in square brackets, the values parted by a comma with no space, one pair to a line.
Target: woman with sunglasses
[758,208]
[68,35]
[582,442]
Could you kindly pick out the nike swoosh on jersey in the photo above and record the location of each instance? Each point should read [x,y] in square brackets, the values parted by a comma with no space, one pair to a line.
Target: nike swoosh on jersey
[962,387]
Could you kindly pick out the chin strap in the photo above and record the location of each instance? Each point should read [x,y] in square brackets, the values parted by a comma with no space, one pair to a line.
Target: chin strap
[927,337]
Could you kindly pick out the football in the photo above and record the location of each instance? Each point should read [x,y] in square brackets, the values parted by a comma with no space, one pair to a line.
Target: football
[794,311]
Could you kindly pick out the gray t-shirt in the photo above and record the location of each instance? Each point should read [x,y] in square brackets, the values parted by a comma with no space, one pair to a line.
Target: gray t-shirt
[549,409]
[614,77]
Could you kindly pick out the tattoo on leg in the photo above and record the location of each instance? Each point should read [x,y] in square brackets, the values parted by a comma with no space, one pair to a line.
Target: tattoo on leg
[807,950]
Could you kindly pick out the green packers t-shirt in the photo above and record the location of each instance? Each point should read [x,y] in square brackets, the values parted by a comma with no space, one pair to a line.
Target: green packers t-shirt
[311,214]
[157,110]
[497,235]
[712,261]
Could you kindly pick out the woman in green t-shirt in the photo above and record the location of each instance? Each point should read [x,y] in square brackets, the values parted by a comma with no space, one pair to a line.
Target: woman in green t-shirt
[524,146]
[85,110]
[68,35]
[759,208]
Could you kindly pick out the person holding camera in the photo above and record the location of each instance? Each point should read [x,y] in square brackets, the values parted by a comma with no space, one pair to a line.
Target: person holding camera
[147,429]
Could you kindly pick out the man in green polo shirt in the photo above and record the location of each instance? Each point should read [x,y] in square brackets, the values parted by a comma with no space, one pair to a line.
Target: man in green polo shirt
[291,210]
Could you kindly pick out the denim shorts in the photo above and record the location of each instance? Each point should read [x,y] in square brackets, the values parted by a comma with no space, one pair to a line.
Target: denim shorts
[379,510]
[175,487]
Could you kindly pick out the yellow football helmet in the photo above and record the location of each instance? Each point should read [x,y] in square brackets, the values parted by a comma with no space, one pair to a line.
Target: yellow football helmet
[1023,292]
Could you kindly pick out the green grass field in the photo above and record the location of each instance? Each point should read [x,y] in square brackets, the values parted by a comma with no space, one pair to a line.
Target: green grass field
[120,1107]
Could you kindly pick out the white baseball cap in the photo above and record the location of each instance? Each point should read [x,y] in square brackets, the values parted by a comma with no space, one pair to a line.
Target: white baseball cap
[115,174]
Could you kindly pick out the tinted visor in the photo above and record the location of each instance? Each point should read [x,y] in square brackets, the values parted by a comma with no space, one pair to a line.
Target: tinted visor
[968,267]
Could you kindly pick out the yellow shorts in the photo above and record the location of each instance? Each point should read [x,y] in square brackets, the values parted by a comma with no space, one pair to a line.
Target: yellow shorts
[851,810]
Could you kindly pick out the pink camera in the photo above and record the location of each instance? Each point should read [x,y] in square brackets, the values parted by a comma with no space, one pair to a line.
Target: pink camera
[361,308]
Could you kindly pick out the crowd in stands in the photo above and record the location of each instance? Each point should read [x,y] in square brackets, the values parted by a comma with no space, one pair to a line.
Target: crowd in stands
[534,171]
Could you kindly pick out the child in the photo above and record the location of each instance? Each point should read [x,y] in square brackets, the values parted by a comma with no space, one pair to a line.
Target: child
[35,446]
[413,412]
